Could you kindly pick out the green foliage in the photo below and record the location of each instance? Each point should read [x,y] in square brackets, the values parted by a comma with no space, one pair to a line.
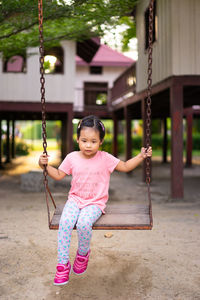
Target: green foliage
[21,148]
[155,126]
[47,65]
[157,141]
[129,33]
[101,99]
[196,126]
[78,21]
[196,141]
[34,130]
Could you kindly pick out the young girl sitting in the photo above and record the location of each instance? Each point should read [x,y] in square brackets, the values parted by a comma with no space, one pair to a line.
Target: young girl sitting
[90,170]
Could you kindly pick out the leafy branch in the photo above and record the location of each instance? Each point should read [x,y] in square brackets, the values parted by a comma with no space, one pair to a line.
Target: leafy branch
[77,21]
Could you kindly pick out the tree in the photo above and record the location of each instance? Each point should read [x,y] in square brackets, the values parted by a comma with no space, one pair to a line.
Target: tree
[63,19]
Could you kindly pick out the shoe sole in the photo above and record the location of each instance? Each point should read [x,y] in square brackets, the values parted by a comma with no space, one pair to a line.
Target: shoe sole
[79,273]
[63,283]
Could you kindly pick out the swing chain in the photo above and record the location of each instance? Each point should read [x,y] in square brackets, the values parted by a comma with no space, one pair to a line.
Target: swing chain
[42,91]
[149,82]
[42,82]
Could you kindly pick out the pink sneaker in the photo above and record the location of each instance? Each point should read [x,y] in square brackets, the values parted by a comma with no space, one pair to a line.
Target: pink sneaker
[62,274]
[80,263]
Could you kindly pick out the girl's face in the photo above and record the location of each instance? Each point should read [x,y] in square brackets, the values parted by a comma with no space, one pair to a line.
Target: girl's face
[89,142]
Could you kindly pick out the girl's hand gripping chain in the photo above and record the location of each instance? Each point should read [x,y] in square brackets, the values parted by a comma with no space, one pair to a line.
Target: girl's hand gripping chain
[146,152]
[43,160]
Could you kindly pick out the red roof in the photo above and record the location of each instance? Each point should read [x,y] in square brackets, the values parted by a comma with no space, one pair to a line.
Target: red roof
[106,56]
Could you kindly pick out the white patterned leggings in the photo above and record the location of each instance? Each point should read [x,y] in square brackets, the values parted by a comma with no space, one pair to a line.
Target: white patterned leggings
[84,219]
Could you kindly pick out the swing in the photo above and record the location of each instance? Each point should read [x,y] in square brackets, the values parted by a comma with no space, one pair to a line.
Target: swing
[122,216]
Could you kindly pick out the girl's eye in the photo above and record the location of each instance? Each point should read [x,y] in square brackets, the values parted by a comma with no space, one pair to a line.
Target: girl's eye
[93,142]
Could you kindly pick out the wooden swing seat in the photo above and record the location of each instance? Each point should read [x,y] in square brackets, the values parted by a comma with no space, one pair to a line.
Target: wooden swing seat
[120,216]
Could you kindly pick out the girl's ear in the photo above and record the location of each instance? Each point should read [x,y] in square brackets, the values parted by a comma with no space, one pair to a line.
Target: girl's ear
[101,142]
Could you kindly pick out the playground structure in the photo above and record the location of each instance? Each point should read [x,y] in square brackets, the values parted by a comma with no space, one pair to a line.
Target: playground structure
[175,80]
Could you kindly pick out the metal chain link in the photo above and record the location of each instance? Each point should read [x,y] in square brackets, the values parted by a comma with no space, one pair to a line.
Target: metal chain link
[42,91]
[42,82]
[149,83]
[148,107]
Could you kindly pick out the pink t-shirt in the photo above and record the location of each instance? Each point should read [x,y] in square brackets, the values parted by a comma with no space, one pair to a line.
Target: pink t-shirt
[90,177]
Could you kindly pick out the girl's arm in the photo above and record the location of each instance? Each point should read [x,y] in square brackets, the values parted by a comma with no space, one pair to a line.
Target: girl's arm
[52,172]
[129,165]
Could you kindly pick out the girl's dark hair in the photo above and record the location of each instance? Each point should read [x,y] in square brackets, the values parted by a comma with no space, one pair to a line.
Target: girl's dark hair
[93,122]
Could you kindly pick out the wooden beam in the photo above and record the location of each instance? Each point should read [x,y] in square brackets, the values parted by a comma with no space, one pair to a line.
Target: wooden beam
[185,80]
[19,106]
[115,135]
[1,146]
[165,141]
[13,140]
[189,119]
[8,142]
[128,142]
[70,145]
[176,108]
[64,137]
[157,88]
[67,134]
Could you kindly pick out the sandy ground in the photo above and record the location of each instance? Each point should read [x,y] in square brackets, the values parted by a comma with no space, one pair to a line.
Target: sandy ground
[160,264]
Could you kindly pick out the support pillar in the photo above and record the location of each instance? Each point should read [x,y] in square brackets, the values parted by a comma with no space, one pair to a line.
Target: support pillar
[13,140]
[176,108]
[165,141]
[8,142]
[115,135]
[1,145]
[64,137]
[128,143]
[189,118]
[66,134]
[70,145]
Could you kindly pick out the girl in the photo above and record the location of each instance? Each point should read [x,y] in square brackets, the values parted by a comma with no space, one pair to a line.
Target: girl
[90,170]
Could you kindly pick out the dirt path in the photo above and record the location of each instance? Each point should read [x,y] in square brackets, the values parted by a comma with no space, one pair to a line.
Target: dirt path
[159,264]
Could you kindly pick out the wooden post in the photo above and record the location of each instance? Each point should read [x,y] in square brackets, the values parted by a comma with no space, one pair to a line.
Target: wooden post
[13,140]
[128,143]
[189,118]
[64,137]
[176,108]
[67,134]
[1,146]
[115,134]
[8,142]
[165,141]
[70,145]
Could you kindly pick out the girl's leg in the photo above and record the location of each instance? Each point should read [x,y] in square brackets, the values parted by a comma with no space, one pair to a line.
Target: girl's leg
[67,221]
[87,217]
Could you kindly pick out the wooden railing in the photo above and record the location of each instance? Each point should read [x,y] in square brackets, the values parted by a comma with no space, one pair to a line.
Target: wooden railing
[124,86]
